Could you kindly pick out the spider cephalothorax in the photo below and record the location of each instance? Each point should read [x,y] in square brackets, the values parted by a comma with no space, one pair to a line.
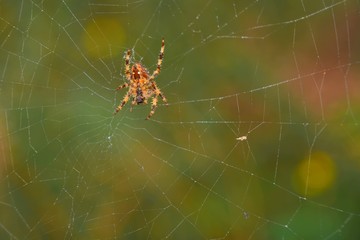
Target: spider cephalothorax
[141,85]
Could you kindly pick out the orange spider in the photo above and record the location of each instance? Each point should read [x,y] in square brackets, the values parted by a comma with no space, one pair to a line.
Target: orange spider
[141,85]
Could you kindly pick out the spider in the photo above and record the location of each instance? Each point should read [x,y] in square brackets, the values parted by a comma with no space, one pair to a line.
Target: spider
[141,85]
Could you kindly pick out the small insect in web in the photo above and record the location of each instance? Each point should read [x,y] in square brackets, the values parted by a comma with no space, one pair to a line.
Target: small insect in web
[141,84]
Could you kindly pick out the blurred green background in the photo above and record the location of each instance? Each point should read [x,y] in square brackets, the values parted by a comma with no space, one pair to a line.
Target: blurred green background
[260,139]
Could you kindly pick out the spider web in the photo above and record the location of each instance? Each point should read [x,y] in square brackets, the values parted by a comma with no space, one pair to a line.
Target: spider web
[260,139]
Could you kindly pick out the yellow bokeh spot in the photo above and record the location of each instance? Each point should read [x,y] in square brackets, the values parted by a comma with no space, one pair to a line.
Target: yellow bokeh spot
[315,174]
[103,37]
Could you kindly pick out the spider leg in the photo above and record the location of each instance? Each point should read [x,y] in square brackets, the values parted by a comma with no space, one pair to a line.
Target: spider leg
[124,101]
[153,107]
[127,65]
[128,77]
[155,100]
[122,86]
[158,92]
[160,60]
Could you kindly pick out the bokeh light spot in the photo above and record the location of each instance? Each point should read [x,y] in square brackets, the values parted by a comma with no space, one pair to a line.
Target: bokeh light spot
[315,174]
